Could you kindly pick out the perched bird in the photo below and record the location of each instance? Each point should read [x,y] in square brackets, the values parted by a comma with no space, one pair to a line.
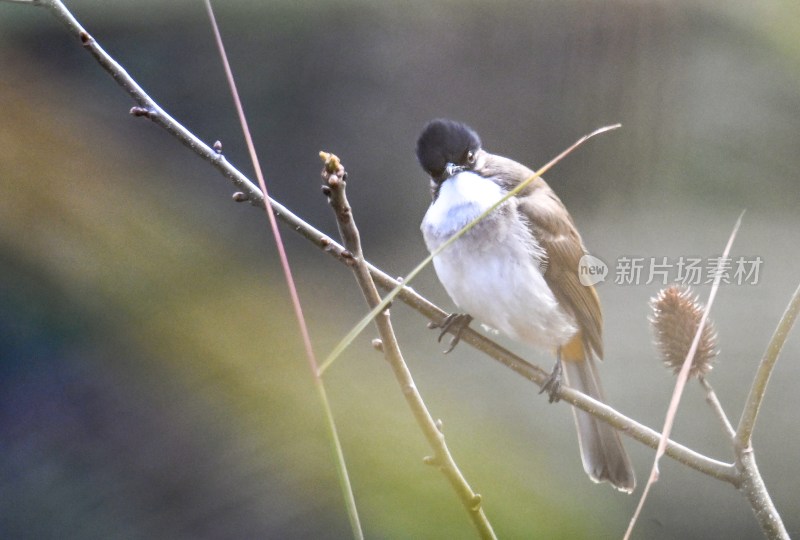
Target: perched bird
[516,271]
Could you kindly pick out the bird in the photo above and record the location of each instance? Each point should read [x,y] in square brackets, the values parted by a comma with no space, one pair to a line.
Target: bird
[517,272]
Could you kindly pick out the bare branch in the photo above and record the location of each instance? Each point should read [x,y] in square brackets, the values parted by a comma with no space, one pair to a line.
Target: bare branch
[744,433]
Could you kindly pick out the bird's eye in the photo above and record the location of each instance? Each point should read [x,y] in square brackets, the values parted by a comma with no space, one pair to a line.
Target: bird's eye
[470,157]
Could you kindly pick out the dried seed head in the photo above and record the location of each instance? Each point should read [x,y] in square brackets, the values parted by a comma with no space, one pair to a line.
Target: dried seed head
[676,316]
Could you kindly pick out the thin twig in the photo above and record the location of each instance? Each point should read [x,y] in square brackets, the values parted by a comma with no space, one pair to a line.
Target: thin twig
[334,187]
[747,423]
[716,406]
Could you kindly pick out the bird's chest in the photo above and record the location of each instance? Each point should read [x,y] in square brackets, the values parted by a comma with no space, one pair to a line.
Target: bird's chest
[494,271]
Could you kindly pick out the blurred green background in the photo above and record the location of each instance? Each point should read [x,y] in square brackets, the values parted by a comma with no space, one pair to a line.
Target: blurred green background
[152,381]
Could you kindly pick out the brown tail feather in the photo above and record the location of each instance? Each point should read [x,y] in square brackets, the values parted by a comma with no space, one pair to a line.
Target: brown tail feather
[604,457]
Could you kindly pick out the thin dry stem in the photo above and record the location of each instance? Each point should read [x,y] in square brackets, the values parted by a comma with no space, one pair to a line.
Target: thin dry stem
[341,466]
[716,406]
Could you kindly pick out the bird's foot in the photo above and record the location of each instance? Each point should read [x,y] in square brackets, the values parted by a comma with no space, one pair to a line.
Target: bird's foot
[454,323]
[553,383]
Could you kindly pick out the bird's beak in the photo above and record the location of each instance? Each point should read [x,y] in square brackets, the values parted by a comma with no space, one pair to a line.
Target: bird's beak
[451,169]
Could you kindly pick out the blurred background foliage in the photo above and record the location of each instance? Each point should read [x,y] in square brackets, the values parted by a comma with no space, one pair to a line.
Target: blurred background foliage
[152,379]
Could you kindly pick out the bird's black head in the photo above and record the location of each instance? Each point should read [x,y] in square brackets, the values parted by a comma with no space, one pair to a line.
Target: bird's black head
[444,144]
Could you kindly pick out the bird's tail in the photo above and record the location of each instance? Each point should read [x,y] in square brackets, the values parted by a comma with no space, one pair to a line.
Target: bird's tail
[604,457]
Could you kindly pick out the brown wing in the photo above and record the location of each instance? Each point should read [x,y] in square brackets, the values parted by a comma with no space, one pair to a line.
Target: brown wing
[555,231]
